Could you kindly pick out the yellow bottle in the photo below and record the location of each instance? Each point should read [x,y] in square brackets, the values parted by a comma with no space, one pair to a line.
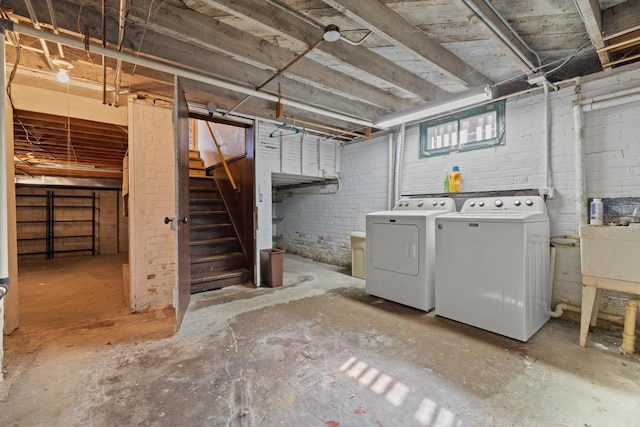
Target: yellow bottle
[455,180]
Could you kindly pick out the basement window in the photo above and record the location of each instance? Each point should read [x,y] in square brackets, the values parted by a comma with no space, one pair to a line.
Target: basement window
[478,127]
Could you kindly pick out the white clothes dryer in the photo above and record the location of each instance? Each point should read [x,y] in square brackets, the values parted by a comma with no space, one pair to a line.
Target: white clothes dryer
[400,251]
[492,265]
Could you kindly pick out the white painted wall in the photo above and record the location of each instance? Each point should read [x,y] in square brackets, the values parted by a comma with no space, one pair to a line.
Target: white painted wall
[318,225]
[289,154]
[151,198]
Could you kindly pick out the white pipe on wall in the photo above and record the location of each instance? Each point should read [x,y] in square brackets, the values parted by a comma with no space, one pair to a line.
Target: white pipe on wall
[612,95]
[547,139]
[612,102]
[398,161]
[4,225]
[581,192]
[390,201]
[188,74]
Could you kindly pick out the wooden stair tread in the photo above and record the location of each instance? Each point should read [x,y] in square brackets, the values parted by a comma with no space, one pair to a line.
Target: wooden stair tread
[204,199]
[217,275]
[206,212]
[212,258]
[209,226]
[213,241]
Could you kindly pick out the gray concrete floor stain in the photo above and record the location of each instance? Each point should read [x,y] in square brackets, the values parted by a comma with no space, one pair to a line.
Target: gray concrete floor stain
[316,352]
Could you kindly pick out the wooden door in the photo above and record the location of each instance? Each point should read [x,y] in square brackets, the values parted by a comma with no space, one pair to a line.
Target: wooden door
[181,127]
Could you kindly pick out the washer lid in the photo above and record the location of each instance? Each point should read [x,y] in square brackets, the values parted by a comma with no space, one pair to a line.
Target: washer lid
[502,216]
[406,214]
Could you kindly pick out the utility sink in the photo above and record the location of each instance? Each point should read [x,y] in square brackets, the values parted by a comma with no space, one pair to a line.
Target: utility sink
[609,260]
[610,252]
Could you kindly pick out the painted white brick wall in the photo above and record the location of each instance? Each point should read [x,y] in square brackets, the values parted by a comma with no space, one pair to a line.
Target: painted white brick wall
[319,226]
[286,155]
[152,197]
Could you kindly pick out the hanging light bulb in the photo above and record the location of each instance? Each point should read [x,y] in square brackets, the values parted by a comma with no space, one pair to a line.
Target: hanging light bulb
[63,76]
[63,69]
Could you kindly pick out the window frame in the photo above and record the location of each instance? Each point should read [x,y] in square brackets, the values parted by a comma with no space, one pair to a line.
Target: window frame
[498,107]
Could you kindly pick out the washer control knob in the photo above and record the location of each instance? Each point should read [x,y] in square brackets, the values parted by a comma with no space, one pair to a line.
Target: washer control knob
[420,203]
[528,202]
[498,202]
[435,203]
[517,202]
[441,202]
[472,204]
[480,203]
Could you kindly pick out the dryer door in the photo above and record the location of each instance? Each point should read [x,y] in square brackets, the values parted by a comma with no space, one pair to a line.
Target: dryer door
[395,247]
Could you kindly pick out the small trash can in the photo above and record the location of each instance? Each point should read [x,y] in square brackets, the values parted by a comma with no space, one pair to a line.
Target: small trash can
[271,267]
[358,243]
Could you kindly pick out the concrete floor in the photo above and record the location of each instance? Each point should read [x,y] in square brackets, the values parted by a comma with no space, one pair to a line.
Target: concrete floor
[316,352]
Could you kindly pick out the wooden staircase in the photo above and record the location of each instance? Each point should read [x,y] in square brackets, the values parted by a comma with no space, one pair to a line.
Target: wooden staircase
[216,255]
[196,165]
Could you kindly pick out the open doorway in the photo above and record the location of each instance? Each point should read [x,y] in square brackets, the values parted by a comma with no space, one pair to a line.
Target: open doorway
[72,230]
[221,203]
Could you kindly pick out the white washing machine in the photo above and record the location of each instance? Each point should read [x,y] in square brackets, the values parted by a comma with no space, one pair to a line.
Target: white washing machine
[400,251]
[492,265]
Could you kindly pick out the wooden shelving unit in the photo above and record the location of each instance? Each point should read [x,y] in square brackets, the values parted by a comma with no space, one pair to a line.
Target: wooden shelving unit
[50,223]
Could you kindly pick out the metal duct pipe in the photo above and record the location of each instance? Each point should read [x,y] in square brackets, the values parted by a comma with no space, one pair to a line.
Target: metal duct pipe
[398,161]
[4,226]
[188,74]
[581,191]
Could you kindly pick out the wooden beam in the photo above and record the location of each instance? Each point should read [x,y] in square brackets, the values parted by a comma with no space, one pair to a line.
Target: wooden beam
[67,171]
[225,67]
[378,17]
[620,19]
[278,21]
[502,29]
[196,29]
[592,17]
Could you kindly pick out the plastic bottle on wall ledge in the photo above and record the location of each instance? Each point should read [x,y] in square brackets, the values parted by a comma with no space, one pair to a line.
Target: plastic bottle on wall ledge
[596,212]
[446,180]
[455,180]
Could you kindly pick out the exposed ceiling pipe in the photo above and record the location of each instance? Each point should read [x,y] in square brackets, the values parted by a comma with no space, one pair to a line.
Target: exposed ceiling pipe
[118,78]
[186,73]
[279,72]
[104,59]
[500,34]
[36,25]
[515,34]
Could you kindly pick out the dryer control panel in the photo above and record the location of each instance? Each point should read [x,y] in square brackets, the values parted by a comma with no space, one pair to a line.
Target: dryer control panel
[531,204]
[427,204]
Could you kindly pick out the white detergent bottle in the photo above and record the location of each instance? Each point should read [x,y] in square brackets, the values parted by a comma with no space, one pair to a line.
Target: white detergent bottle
[596,212]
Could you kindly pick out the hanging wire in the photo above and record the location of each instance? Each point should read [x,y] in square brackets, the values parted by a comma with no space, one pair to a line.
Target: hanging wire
[563,62]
